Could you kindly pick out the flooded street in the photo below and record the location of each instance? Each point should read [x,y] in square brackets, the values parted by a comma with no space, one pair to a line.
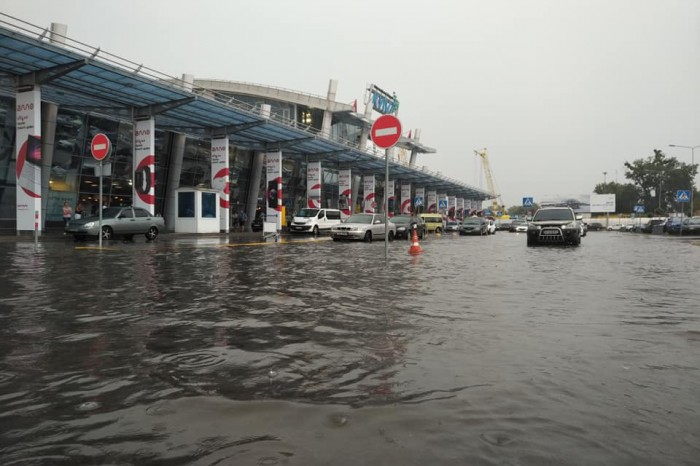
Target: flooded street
[481,351]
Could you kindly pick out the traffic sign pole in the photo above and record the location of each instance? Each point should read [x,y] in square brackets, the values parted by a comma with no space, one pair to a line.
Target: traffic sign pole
[99,207]
[386,132]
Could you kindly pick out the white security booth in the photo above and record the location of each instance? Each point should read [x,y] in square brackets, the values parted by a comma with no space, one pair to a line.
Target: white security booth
[197,211]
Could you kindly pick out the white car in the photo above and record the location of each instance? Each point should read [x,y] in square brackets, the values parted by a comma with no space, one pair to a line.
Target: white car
[363,227]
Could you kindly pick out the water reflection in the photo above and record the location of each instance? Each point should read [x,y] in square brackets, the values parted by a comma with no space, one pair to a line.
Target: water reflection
[480,349]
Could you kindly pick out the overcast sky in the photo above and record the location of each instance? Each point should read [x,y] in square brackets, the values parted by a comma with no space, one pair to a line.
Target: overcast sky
[559,91]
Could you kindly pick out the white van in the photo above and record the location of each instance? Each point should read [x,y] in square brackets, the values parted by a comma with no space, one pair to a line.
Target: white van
[314,221]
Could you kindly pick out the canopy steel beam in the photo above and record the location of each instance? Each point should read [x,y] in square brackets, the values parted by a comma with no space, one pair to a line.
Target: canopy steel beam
[148,111]
[46,75]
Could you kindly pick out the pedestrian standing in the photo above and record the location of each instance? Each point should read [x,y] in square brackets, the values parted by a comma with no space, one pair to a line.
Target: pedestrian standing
[79,211]
[242,217]
[67,213]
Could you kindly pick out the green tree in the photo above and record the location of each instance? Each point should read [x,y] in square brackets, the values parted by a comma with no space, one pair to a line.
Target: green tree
[659,177]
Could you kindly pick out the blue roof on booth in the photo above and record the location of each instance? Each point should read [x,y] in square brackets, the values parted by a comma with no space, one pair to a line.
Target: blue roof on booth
[79,77]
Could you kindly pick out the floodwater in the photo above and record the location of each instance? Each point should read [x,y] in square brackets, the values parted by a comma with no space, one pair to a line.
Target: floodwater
[480,351]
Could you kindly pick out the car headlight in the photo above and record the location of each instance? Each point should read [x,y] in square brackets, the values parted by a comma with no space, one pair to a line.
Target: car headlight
[572,226]
[401,229]
[89,224]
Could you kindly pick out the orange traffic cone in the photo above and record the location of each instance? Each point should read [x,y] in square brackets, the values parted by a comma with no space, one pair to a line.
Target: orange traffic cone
[415,248]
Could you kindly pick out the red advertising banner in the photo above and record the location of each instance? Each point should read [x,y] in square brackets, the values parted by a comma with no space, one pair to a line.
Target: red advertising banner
[370,201]
[28,156]
[273,191]
[220,178]
[313,185]
[144,174]
[345,203]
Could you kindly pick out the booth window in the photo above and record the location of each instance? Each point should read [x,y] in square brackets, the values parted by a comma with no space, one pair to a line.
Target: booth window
[208,205]
[185,205]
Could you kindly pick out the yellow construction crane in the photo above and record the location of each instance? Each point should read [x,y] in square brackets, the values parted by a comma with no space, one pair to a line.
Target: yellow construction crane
[496,201]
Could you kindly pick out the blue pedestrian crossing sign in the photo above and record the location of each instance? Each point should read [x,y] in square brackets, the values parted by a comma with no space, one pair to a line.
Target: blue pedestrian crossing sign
[442,204]
[683,195]
[418,201]
[639,209]
[527,202]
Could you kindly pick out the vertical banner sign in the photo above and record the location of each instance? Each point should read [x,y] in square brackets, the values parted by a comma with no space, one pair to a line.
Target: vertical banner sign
[220,178]
[370,203]
[313,185]
[460,207]
[451,206]
[467,207]
[477,204]
[419,201]
[345,191]
[145,165]
[28,156]
[391,199]
[405,199]
[432,202]
[273,193]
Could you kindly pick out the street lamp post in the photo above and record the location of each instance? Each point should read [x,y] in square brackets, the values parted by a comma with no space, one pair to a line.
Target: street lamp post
[605,177]
[692,164]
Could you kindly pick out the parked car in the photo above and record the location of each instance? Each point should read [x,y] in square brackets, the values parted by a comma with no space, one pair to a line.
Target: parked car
[616,227]
[490,227]
[518,226]
[124,221]
[689,226]
[453,225]
[503,225]
[474,226]
[672,225]
[364,227]
[310,220]
[404,226]
[596,226]
[554,225]
[433,222]
[584,229]
[648,227]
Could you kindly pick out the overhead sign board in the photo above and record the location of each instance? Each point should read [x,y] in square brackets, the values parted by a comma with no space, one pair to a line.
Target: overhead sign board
[100,147]
[386,131]
[602,203]
[527,202]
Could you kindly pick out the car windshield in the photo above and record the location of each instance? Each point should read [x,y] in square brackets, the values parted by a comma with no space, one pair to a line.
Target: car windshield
[307,212]
[360,218]
[452,223]
[553,214]
[471,221]
[401,220]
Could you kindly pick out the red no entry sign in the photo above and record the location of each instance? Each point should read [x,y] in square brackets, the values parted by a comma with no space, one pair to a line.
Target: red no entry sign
[100,147]
[386,131]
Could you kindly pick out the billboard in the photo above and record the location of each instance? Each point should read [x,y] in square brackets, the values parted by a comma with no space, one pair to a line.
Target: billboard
[602,203]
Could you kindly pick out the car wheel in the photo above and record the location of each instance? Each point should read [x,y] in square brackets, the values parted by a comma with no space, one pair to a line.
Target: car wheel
[315,232]
[152,233]
[576,241]
[368,237]
[530,241]
[438,230]
[391,236]
[107,233]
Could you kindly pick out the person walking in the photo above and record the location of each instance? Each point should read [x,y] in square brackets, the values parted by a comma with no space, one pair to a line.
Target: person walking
[67,213]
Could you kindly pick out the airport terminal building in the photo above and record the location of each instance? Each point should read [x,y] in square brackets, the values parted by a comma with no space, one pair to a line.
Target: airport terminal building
[245,142]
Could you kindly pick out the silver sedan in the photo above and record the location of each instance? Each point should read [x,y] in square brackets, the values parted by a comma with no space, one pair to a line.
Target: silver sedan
[125,221]
[365,227]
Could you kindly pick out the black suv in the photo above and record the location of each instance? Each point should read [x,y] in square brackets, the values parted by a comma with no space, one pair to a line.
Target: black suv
[554,225]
